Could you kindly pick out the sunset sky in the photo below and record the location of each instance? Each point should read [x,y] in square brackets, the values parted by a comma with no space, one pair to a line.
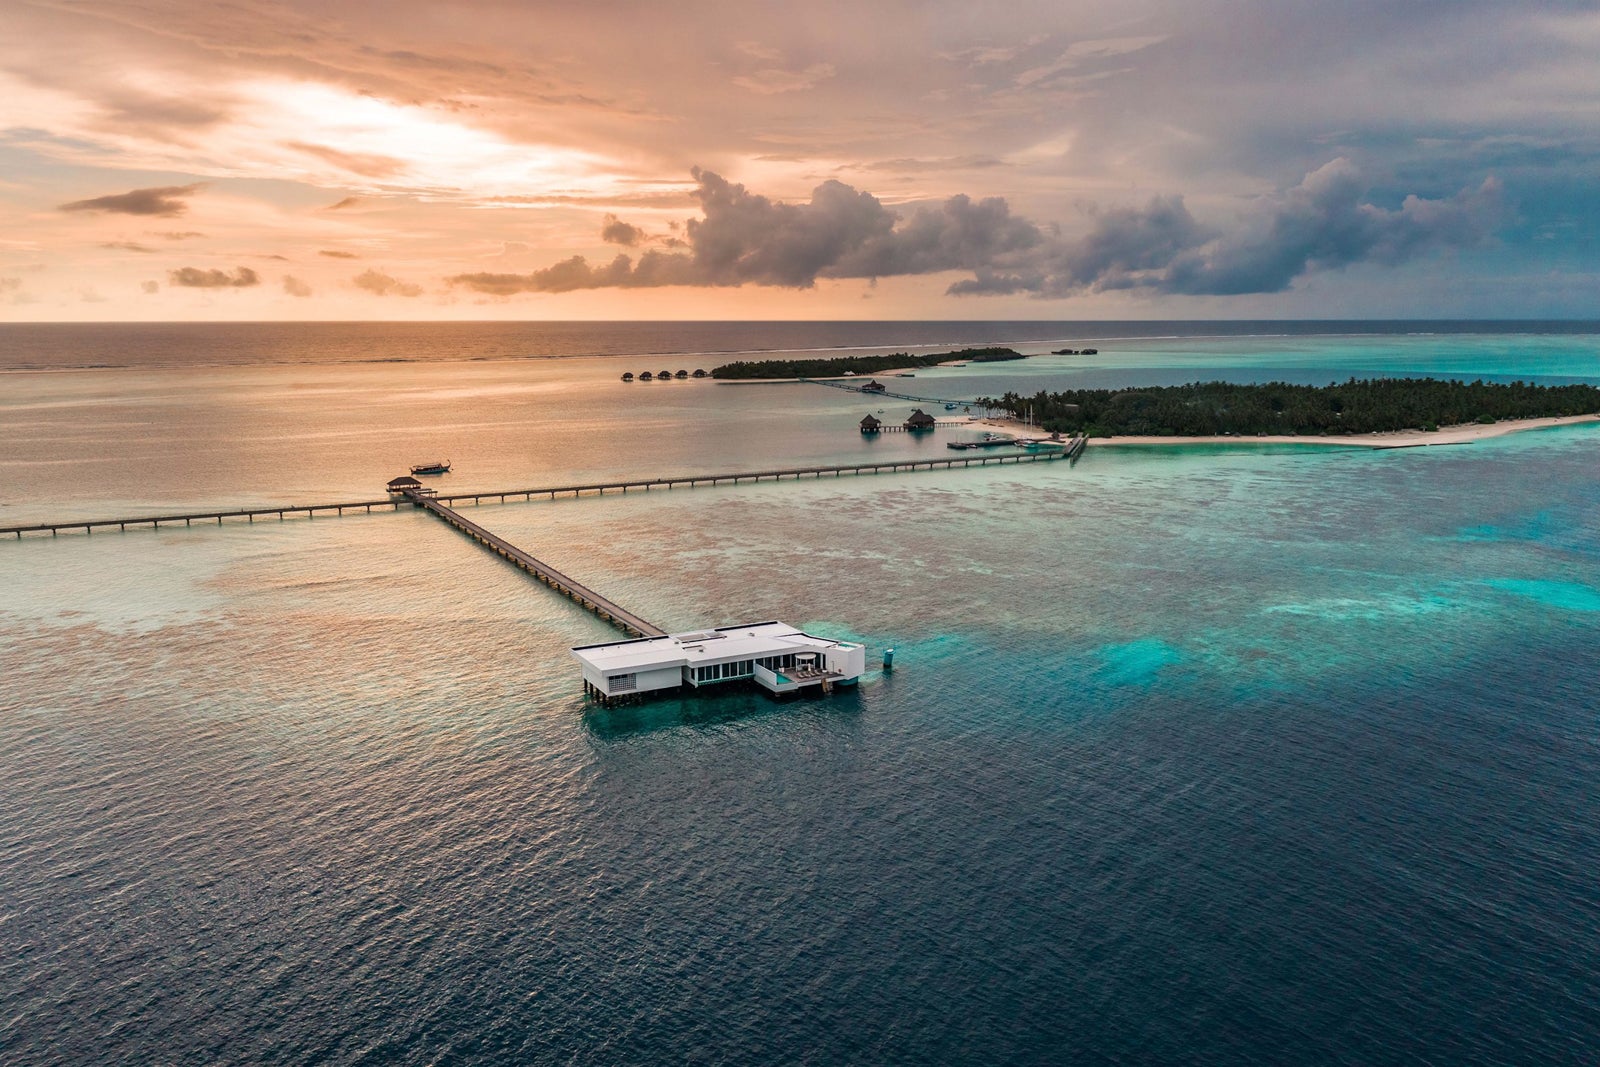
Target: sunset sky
[172,159]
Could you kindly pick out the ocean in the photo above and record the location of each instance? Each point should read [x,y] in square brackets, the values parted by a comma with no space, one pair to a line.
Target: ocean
[1191,754]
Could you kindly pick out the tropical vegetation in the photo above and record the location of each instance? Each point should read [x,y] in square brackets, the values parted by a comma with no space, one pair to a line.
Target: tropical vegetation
[1367,405]
[839,366]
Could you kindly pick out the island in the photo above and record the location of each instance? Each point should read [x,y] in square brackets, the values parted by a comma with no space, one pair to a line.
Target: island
[840,366]
[1355,406]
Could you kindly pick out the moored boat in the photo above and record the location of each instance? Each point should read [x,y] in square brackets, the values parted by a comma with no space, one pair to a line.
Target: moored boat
[440,467]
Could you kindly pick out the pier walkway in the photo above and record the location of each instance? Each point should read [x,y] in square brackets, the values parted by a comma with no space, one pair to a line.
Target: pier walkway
[278,511]
[689,481]
[897,396]
[617,616]
[965,420]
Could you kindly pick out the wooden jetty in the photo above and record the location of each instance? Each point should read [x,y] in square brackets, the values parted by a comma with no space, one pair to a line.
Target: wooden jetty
[616,615]
[278,511]
[681,481]
[849,388]
[690,481]
[963,421]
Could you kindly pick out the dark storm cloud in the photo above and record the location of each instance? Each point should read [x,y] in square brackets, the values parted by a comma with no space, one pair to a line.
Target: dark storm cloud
[1324,223]
[197,278]
[744,238]
[617,232]
[960,234]
[166,201]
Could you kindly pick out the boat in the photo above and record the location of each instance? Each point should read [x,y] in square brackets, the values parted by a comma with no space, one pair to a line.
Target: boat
[439,467]
[949,407]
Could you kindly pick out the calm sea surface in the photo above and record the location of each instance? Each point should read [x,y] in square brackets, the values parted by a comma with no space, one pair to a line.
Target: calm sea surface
[1270,754]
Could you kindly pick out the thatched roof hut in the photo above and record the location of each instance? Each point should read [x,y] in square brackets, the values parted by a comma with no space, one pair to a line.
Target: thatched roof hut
[920,420]
[871,424]
[400,485]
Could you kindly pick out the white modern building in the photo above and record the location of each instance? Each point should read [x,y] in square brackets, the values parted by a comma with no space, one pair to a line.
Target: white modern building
[774,655]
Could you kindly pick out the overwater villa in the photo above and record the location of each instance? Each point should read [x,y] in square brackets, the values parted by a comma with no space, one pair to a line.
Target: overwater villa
[874,387]
[773,655]
[871,424]
[920,420]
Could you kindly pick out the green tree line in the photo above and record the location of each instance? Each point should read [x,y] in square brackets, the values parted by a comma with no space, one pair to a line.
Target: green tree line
[840,365]
[1354,406]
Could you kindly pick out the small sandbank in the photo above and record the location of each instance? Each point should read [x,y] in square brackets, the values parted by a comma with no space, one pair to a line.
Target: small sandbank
[1449,435]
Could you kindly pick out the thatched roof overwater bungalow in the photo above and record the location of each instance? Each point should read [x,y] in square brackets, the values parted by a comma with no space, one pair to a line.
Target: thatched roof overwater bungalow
[871,424]
[874,387]
[920,420]
[401,484]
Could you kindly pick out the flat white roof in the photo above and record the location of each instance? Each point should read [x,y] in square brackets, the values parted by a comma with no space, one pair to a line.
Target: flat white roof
[749,641]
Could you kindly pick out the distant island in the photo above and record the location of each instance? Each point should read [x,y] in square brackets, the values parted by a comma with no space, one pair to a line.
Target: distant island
[842,365]
[1356,406]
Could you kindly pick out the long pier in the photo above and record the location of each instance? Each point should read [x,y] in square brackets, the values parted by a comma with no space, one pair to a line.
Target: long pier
[896,396]
[691,481]
[688,481]
[278,511]
[608,610]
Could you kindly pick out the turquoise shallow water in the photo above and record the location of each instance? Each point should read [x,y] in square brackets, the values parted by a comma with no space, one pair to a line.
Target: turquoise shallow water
[1190,754]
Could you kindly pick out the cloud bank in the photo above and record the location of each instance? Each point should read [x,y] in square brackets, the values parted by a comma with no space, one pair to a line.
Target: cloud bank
[1324,223]
[198,278]
[380,284]
[164,202]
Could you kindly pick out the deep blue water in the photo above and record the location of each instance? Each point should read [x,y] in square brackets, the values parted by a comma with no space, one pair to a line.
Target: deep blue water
[1191,755]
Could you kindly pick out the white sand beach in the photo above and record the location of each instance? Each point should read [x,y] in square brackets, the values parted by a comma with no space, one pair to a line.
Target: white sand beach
[1447,435]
